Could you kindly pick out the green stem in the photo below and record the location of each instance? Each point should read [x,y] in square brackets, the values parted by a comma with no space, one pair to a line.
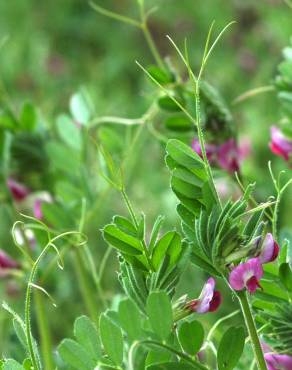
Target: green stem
[275,216]
[84,286]
[28,333]
[148,37]
[44,331]
[252,331]
[151,45]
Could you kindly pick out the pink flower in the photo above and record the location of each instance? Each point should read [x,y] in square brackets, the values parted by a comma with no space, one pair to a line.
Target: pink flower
[280,144]
[278,362]
[209,300]
[229,156]
[270,249]
[6,263]
[211,149]
[37,209]
[246,275]
[18,191]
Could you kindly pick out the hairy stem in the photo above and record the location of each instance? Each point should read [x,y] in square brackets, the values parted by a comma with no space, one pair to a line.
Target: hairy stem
[252,331]
[44,331]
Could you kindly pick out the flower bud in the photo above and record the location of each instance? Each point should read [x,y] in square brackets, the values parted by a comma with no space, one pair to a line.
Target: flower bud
[270,249]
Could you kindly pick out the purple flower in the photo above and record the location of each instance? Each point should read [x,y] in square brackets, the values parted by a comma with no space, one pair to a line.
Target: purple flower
[211,149]
[246,275]
[6,263]
[209,300]
[37,209]
[229,156]
[18,191]
[270,249]
[278,362]
[280,144]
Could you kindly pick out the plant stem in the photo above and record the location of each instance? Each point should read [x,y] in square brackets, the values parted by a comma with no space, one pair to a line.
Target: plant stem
[84,286]
[250,93]
[44,331]
[252,331]
[151,45]
[149,38]
[275,216]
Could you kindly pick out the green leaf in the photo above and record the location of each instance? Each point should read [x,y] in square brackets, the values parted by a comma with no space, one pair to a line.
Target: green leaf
[141,228]
[184,155]
[159,311]
[122,241]
[169,244]
[19,329]
[27,364]
[166,103]
[28,117]
[285,274]
[69,132]
[112,339]
[185,188]
[80,107]
[178,123]
[204,265]
[230,348]
[155,231]
[125,225]
[11,364]
[75,355]
[130,319]
[62,157]
[160,75]
[86,335]
[68,191]
[191,336]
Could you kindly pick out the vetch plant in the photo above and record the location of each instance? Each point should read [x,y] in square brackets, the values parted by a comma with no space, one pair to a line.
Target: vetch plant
[235,242]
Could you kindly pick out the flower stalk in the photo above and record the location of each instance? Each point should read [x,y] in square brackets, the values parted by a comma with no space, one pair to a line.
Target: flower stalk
[252,331]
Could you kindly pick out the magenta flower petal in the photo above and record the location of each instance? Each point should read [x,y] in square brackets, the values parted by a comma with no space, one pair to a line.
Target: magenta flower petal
[278,362]
[246,275]
[211,149]
[229,156]
[6,263]
[280,145]
[270,249]
[18,191]
[37,209]
[215,301]
[209,299]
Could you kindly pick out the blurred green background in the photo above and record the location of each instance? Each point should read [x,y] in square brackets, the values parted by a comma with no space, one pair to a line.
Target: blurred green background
[54,48]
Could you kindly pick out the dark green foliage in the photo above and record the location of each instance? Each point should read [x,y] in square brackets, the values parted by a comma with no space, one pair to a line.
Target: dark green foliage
[216,235]
[230,348]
